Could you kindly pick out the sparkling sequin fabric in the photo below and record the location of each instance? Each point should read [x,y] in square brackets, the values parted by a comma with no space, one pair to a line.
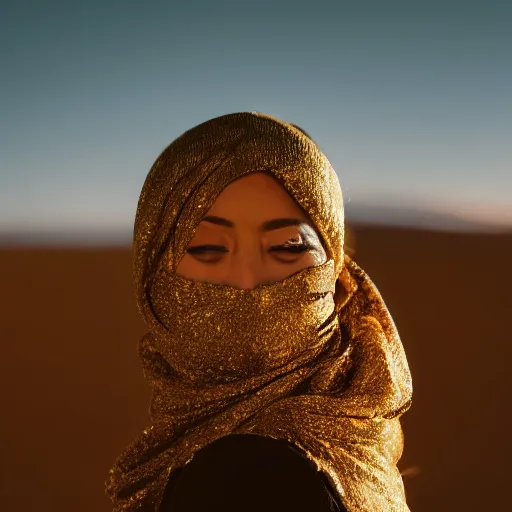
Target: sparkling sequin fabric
[282,360]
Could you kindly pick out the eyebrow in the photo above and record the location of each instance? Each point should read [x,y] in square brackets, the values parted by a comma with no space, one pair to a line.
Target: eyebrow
[269,225]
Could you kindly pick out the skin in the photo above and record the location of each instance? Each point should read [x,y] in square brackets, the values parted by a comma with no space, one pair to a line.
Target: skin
[245,254]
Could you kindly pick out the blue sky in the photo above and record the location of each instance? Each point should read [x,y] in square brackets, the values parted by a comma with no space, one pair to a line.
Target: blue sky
[411,101]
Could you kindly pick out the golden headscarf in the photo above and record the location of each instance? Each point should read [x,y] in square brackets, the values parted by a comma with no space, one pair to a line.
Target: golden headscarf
[334,384]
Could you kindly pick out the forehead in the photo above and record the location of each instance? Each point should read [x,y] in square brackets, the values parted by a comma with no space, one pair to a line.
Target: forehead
[257,196]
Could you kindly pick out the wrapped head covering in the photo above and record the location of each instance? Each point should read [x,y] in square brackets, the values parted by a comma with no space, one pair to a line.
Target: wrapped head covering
[283,360]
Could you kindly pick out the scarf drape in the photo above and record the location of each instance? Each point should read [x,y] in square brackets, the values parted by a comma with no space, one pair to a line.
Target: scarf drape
[338,396]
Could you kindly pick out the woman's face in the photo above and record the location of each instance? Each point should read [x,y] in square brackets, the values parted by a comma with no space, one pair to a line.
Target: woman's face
[254,234]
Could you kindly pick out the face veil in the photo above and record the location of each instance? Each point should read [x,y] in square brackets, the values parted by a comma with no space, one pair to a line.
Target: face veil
[222,334]
[281,360]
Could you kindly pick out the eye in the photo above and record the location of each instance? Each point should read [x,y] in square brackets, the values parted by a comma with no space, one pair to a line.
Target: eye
[290,248]
[207,253]
[201,249]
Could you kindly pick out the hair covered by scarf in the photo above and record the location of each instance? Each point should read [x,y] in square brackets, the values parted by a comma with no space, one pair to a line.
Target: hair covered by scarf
[340,403]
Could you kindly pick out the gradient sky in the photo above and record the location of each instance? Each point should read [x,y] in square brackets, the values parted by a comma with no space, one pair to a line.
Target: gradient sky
[411,101]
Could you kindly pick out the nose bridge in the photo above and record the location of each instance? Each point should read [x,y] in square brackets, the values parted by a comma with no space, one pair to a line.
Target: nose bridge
[246,270]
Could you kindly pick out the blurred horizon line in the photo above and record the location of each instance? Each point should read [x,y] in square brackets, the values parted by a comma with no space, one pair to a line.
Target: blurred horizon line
[375,215]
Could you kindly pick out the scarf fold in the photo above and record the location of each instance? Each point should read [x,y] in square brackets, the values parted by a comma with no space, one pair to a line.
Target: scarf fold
[339,403]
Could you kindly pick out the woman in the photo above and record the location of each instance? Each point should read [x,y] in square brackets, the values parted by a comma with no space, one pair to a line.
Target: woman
[261,330]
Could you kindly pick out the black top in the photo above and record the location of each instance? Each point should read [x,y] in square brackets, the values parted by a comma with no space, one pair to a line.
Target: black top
[249,473]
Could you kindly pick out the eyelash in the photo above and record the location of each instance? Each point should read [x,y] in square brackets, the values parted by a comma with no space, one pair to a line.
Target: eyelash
[291,249]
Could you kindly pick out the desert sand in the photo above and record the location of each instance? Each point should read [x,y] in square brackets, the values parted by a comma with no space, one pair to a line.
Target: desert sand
[73,395]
